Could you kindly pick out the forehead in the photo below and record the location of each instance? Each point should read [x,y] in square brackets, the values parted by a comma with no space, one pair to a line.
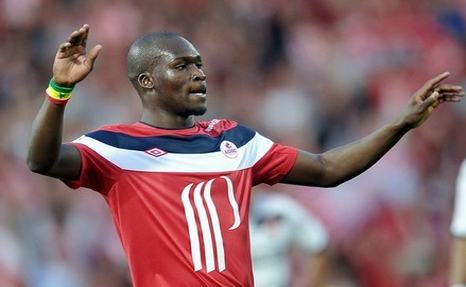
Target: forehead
[176,47]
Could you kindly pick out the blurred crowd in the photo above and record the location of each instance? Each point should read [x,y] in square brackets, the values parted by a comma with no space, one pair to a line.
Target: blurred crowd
[310,73]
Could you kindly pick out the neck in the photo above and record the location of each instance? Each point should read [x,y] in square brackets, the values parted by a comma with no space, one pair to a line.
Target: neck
[168,122]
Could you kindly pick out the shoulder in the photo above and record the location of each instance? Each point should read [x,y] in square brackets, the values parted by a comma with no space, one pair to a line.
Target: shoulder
[120,128]
[115,135]
[217,127]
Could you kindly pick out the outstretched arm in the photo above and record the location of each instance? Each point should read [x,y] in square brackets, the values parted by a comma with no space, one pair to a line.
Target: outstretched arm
[46,153]
[341,164]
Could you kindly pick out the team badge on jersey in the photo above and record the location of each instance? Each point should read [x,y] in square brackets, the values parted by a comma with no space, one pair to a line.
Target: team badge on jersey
[229,149]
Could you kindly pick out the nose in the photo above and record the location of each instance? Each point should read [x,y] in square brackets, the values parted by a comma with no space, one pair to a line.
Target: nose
[198,75]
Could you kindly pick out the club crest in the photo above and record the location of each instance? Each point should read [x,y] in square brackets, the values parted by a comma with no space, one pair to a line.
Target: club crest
[229,149]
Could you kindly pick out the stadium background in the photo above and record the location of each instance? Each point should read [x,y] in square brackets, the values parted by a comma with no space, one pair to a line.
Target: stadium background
[310,73]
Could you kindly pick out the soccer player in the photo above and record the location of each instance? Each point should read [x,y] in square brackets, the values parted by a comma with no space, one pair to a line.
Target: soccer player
[281,230]
[458,230]
[178,189]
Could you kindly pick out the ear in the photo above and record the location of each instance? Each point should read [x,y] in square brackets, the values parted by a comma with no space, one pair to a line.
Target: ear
[146,80]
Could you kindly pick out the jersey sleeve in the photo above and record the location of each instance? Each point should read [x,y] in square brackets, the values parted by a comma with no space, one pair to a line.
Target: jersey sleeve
[458,224]
[97,173]
[275,164]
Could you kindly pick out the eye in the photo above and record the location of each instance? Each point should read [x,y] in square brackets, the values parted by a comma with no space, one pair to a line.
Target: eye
[181,66]
[199,65]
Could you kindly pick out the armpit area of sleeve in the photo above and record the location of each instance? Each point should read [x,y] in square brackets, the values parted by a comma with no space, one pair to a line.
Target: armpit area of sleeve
[96,172]
[77,183]
[275,164]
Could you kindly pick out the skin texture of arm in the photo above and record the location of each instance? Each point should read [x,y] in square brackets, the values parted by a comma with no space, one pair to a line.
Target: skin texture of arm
[341,164]
[46,153]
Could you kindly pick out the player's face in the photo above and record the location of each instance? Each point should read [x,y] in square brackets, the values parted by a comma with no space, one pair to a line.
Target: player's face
[179,79]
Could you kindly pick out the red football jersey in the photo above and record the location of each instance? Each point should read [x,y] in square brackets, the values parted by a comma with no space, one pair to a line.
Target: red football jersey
[180,198]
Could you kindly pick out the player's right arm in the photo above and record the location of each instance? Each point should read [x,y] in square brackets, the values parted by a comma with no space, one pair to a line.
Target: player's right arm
[46,153]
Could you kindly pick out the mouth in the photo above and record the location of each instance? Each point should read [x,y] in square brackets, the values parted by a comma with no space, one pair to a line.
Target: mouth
[198,94]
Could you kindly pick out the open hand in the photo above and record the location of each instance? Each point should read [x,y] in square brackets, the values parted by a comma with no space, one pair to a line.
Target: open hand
[429,97]
[71,63]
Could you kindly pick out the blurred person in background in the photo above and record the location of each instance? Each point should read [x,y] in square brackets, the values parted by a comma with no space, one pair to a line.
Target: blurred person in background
[458,231]
[284,232]
[154,223]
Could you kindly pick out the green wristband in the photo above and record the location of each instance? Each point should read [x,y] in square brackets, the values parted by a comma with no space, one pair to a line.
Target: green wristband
[60,89]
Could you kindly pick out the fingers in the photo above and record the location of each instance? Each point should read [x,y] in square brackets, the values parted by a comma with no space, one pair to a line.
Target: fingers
[448,88]
[75,43]
[64,46]
[446,92]
[451,97]
[438,79]
[93,53]
[451,93]
[436,98]
[432,84]
[431,102]
[79,37]
[83,38]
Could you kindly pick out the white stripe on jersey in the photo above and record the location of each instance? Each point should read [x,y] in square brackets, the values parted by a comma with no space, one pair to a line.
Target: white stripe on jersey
[135,160]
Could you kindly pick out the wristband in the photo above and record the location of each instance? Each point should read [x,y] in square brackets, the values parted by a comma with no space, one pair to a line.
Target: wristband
[58,95]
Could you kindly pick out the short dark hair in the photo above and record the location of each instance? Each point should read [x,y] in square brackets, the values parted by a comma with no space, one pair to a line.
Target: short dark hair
[143,53]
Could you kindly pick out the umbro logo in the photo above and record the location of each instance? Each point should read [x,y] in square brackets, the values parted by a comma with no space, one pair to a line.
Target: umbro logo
[156,152]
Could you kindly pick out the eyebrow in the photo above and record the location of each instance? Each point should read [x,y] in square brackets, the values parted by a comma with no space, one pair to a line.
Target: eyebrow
[196,58]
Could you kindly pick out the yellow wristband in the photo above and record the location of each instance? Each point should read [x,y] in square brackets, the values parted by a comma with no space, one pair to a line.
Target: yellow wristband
[57,94]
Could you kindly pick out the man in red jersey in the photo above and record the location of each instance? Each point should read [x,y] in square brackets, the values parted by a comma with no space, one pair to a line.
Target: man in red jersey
[178,189]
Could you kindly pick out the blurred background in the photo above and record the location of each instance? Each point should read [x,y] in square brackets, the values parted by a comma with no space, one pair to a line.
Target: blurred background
[310,73]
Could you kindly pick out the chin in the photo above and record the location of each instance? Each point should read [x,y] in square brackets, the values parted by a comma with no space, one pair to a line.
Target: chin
[200,111]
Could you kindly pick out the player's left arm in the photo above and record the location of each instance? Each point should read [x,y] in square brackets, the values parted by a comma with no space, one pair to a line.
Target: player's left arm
[338,165]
